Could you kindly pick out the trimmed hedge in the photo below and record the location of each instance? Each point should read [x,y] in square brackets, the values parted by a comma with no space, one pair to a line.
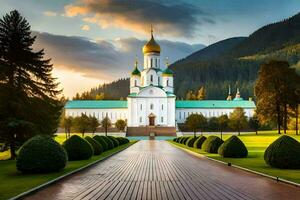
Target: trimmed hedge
[190,141]
[122,140]
[233,147]
[101,141]
[212,144]
[183,141]
[109,143]
[198,143]
[41,154]
[283,153]
[97,147]
[78,148]
[114,140]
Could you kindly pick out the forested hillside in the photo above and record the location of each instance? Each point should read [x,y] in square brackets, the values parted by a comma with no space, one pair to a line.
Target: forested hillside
[233,61]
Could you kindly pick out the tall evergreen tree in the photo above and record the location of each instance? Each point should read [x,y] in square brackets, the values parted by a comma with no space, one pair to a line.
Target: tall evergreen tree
[28,103]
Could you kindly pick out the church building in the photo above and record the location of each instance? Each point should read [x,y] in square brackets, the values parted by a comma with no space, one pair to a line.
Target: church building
[151,105]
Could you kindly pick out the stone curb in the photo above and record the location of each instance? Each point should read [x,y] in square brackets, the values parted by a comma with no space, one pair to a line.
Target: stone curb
[239,167]
[35,189]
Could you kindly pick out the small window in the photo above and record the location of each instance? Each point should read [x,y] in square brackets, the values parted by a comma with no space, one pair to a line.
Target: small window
[151,78]
[151,63]
[135,82]
[162,106]
[151,106]
[179,115]
[168,82]
[162,119]
[141,107]
[158,80]
[141,119]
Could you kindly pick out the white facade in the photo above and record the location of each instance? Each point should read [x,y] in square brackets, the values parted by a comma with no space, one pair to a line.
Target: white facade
[151,101]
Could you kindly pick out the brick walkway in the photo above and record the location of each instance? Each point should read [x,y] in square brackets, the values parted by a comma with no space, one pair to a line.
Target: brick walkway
[157,170]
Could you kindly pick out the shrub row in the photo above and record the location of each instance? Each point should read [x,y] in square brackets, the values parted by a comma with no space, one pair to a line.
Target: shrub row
[42,154]
[231,148]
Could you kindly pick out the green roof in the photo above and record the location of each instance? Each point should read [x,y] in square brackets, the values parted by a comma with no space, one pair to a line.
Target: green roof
[215,104]
[136,71]
[98,104]
[168,71]
[89,104]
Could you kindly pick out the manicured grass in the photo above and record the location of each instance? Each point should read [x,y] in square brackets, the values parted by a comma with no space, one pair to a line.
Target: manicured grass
[256,145]
[13,182]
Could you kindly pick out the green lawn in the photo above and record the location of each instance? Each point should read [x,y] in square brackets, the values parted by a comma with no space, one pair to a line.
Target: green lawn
[256,145]
[13,182]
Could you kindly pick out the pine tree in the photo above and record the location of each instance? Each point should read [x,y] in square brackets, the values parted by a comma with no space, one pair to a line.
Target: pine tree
[28,103]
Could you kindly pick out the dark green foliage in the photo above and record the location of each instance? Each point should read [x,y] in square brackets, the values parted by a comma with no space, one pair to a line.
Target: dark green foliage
[186,140]
[28,92]
[78,148]
[283,153]
[97,147]
[198,143]
[183,140]
[114,140]
[101,141]
[174,139]
[41,154]
[110,144]
[233,147]
[190,142]
[212,144]
[122,140]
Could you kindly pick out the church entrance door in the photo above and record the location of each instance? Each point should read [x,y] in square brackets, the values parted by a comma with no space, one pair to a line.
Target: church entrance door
[151,119]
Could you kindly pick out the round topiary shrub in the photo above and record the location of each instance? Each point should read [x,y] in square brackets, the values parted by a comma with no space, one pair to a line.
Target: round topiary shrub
[198,143]
[78,148]
[212,144]
[114,140]
[41,154]
[190,141]
[97,147]
[101,141]
[283,153]
[233,147]
[183,140]
[109,143]
[174,139]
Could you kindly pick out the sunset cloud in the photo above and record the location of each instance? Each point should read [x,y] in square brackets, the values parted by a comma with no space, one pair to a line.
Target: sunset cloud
[104,60]
[50,13]
[180,19]
[85,27]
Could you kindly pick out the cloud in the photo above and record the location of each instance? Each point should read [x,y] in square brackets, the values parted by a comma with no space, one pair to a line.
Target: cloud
[102,59]
[179,19]
[85,27]
[50,14]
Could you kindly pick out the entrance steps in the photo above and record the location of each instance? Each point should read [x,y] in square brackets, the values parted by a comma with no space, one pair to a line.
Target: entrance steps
[146,130]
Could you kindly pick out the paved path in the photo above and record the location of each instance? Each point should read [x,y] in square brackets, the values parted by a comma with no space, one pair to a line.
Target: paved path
[157,170]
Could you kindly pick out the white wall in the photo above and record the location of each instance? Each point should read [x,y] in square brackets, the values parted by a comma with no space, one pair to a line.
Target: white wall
[113,114]
[183,113]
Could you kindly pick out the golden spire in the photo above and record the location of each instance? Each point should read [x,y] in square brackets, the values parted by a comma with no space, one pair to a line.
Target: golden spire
[151,46]
[136,61]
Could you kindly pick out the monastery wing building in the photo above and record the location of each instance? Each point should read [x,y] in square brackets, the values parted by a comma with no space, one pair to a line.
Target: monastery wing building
[151,105]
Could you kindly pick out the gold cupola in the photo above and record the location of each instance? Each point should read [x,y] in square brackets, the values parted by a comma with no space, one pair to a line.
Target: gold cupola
[151,46]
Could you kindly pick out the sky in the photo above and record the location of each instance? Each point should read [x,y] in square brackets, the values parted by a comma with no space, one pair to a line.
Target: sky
[96,41]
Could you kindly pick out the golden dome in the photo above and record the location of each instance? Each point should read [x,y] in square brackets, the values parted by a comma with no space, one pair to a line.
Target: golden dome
[151,46]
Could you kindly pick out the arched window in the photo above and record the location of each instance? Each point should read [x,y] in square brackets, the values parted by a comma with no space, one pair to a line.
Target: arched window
[162,119]
[135,82]
[151,62]
[158,80]
[151,106]
[141,107]
[162,106]
[167,82]
[141,119]
[151,78]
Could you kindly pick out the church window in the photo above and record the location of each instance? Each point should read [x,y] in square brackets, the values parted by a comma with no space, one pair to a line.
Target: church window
[135,82]
[158,81]
[151,92]
[151,78]
[162,106]
[183,115]
[141,119]
[162,119]
[151,61]
[151,106]
[141,107]
[179,115]
[168,82]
